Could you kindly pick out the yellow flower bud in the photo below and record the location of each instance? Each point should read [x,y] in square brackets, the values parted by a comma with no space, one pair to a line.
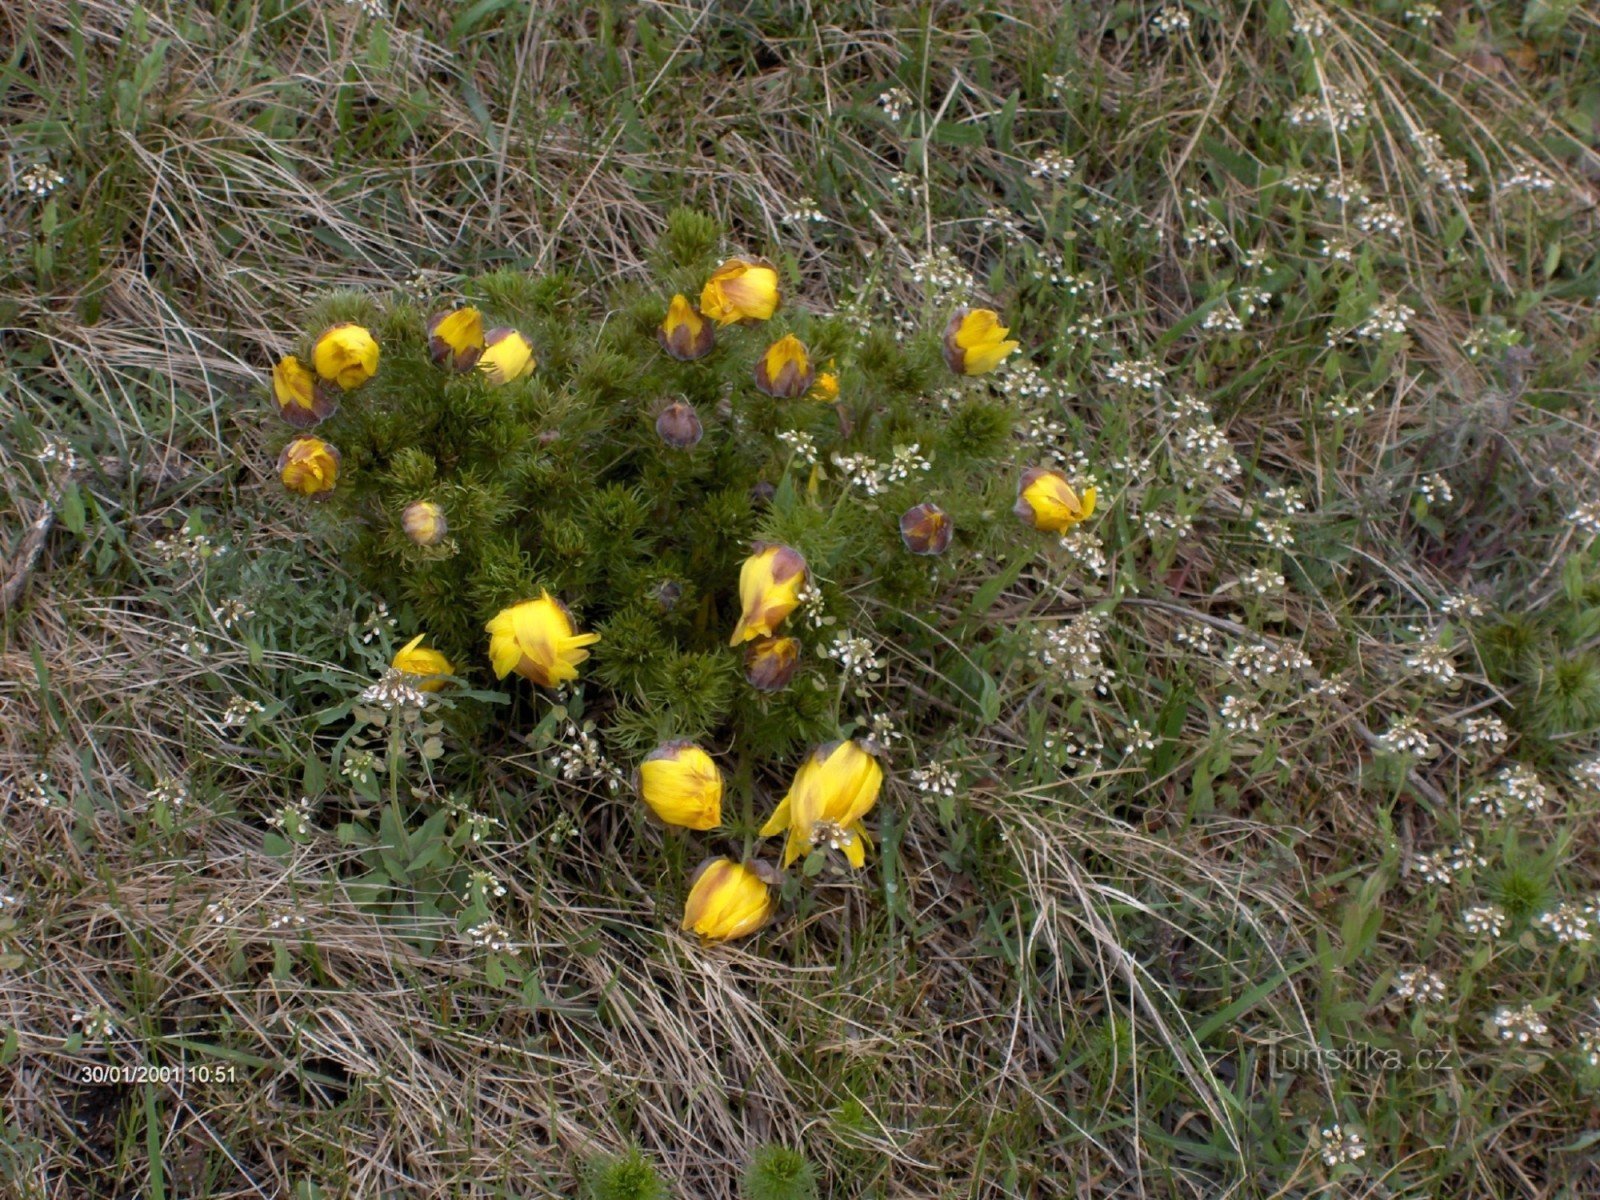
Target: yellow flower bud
[345,354]
[926,529]
[826,388]
[429,665]
[679,426]
[685,334]
[1046,501]
[424,523]
[769,590]
[975,341]
[302,398]
[538,641]
[682,786]
[507,355]
[455,338]
[770,662]
[834,788]
[740,290]
[727,900]
[309,465]
[784,371]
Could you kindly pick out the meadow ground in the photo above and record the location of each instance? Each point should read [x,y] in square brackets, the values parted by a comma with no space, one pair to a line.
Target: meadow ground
[1266,861]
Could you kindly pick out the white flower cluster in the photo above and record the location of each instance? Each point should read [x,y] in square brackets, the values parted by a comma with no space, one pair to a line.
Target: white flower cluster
[1389,318]
[169,791]
[581,756]
[1463,604]
[37,182]
[1255,661]
[293,818]
[1338,109]
[896,103]
[1262,581]
[1405,736]
[1527,178]
[284,918]
[1571,922]
[1433,661]
[1073,751]
[1485,920]
[1086,551]
[1420,986]
[1440,867]
[1342,406]
[1140,374]
[1196,636]
[373,10]
[802,444]
[944,273]
[1241,716]
[1487,731]
[858,657]
[492,936]
[1200,450]
[231,612]
[1312,26]
[378,623]
[1516,786]
[1446,173]
[907,460]
[482,884]
[1435,489]
[935,779]
[96,1023]
[1586,517]
[1171,20]
[1586,774]
[1053,165]
[186,548]
[239,711]
[1340,1145]
[1277,532]
[395,689]
[805,211]
[1075,647]
[1380,220]
[1520,1025]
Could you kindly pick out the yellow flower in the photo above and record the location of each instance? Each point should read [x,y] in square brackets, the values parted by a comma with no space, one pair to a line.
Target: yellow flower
[538,641]
[834,788]
[424,523]
[926,529]
[826,388]
[685,334]
[309,465]
[785,369]
[346,355]
[506,355]
[413,659]
[455,338]
[740,290]
[302,399]
[770,662]
[769,590]
[1046,501]
[727,900]
[975,341]
[682,786]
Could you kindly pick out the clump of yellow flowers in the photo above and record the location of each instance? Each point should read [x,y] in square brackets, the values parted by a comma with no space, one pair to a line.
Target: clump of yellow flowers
[492,461]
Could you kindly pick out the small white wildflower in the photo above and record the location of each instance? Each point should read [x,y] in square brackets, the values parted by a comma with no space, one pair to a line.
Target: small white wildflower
[944,274]
[1463,604]
[1444,172]
[1277,532]
[96,1023]
[1388,319]
[482,884]
[1586,517]
[1305,183]
[239,711]
[1337,109]
[883,732]
[478,825]
[9,899]
[1487,731]
[231,612]
[395,689]
[906,461]
[1520,1025]
[580,755]
[374,10]
[378,623]
[935,779]
[1052,165]
[1420,986]
[293,818]
[1570,922]
[57,452]
[1336,250]
[1433,661]
[1074,647]
[169,791]
[1004,222]
[220,912]
[1241,716]
[1380,220]
[1222,319]
[1138,738]
[896,103]
[1057,84]
[1441,867]
[1171,20]
[1421,12]
[1586,774]
[492,936]
[1342,406]
[858,657]
[1340,1145]
[1345,191]
[1086,551]
[1435,489]
[1518,786]
[1140,374]
[801,444]
[805,211]
[1529,179]
[1485,920]
[1262,581]
[1589,1048]
[37,181]
[1312,26]
[360,766]
[1406,736]
[285,918]
[1196,636]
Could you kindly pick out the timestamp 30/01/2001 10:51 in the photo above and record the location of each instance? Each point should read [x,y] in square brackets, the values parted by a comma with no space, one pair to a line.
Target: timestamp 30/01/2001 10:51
[148,1073]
